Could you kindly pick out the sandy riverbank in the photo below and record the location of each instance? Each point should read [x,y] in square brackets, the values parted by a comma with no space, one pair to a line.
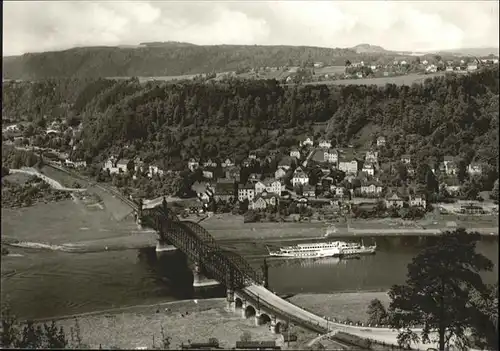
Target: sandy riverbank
[182,321]
[187,321]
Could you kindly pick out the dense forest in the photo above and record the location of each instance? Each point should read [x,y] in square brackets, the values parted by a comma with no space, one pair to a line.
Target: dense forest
[169,60]
[169,123]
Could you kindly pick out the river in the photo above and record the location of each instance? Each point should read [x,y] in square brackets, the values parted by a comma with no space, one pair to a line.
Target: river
[44,283]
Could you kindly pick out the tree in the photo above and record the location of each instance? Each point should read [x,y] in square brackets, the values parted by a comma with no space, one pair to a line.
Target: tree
[494,192]
[485,319]
[440,282]
[376,312]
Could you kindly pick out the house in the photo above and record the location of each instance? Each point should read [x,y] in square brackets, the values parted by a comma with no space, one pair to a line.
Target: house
[263,200]
[371,156]
[246,191]
[259,187]
[208,174]
[258,203]
[209,163]
[431,69]
[331,156]
[224,190]
[449,69]
[425,62]
[475,168]
[122,165]
[75,164]
[394,200]
[337,190]
[349,166]
[252,155]
[280,173]
[110,165]
[273,186]
[308,191]
[471,67]
[227,163]
[406,159]
[417,201]
[325,144]
[368,169]
[155,170]
[139,165]
[450,165]
[193,165]
[380,141]
[371,188]
[295,153]
[307,142]
[299,177]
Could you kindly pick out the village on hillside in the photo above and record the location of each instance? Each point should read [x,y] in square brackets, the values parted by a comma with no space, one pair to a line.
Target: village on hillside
[311,177]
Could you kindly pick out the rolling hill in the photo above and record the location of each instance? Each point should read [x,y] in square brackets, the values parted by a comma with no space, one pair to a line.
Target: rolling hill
[167,59]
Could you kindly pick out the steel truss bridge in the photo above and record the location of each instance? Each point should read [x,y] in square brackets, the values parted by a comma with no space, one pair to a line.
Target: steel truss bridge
[234,272]
[227,267]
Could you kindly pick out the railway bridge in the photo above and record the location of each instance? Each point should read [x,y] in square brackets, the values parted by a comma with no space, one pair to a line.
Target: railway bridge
[246,288]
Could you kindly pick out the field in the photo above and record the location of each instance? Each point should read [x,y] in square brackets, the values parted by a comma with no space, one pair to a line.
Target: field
[349,305]
[183,321]
[19,178]
[187,321]
[329,70]
[408,79]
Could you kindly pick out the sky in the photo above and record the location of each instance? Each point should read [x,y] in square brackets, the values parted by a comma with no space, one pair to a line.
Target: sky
[35,26]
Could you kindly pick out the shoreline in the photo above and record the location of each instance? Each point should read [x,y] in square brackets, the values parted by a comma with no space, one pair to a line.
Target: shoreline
[198,320]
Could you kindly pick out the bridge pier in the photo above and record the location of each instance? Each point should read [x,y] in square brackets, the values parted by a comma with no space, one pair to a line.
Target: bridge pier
[138,214]
[200,281]
[230,303]
[164,246]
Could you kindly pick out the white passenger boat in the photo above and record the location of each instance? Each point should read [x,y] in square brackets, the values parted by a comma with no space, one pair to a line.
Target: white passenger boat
[319,250]
[313,250]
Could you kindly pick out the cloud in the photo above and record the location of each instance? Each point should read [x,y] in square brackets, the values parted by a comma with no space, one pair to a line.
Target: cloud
[31,26]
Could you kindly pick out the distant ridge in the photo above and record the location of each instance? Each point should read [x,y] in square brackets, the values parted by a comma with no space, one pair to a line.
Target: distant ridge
[473,51]
[167,44]
[173,58]
[367,48]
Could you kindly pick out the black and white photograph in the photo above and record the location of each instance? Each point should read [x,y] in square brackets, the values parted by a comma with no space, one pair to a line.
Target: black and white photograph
[250,175]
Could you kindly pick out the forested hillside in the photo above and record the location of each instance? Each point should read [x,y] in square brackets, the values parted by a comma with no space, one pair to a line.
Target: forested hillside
[165,60]
[169,123]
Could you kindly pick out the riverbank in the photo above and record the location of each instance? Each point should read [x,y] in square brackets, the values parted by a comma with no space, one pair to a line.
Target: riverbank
[199,320]
[342,306]
[228,227]
[185,322]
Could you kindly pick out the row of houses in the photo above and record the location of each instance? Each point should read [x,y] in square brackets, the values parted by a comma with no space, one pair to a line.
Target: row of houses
[113,165]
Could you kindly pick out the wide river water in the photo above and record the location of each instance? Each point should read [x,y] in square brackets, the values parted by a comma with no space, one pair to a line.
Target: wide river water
[40,283]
